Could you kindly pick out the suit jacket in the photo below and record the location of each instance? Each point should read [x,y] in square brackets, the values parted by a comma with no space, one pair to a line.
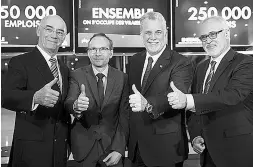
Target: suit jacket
[161,141]
[108,123]
[40,136]
[225,125]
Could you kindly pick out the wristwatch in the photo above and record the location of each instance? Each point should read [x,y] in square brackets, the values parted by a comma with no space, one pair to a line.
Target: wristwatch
[149,108]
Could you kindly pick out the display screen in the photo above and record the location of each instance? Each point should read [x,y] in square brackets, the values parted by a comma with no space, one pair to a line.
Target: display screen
[19,19]
[189,13]
[119,19]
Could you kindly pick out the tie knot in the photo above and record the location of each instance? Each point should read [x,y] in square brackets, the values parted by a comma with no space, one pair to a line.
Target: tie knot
[100,75]
[52,60]
[150,60]
[213,64]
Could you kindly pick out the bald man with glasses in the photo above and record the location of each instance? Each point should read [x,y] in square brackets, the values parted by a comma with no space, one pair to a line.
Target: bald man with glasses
[220,126]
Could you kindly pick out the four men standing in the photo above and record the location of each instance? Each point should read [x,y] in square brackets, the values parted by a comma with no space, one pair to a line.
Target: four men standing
[150,121]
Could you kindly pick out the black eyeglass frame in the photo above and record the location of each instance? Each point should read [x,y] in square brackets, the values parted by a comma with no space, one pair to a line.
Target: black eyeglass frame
[211,35]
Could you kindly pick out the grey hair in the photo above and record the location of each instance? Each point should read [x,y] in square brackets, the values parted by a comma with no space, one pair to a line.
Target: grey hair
[219,19]
[152,16]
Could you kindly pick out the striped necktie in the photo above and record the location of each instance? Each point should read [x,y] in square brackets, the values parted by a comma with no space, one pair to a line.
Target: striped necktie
[54,70]
[209,77]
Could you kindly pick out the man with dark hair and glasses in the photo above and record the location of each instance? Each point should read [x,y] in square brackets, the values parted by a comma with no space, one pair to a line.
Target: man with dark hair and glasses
[35,87]
[98,99]
[220,126]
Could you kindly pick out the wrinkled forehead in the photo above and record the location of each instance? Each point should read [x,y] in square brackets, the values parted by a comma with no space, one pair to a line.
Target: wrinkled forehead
[54,22]
[211,25]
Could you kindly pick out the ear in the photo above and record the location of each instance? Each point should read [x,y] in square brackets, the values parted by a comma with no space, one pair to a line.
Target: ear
[111,52]
[38,30]
[227,34]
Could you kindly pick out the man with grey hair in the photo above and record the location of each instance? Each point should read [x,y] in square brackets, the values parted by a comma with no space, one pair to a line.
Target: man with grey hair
[35,87]
[220,126]
[157,132]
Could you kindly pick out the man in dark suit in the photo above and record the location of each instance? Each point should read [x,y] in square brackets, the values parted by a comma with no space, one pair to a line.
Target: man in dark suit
[35,86]
[221,129]
[157,132]
[98,99]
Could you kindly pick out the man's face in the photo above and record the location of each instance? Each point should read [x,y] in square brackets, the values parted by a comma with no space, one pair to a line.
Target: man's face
[99,51]
[154,36]
[51,34]
[217,40]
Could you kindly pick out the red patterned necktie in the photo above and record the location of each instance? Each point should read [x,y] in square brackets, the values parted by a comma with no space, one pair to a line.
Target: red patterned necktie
[209,77]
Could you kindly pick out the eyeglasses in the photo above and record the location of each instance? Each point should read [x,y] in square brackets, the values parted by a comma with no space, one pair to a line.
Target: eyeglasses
[50,30]
[101,50]
[211,35]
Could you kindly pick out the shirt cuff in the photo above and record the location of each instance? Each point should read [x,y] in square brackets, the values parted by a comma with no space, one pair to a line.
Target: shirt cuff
[190,103]
[34,106]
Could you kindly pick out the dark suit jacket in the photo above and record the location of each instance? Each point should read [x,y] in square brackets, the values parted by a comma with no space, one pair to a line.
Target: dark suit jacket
[226,127]
[108,124]
[161,141]
[39,135]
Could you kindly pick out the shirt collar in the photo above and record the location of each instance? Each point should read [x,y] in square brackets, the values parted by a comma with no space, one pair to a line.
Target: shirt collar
[219,58]
[105,72]
[155,57]
[45,54]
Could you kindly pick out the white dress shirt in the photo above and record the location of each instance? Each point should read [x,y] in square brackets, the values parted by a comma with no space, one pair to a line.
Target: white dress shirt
[105,72]
[155,58]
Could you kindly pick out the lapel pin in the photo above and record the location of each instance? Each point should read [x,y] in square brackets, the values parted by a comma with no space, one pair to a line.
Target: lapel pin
[161,66]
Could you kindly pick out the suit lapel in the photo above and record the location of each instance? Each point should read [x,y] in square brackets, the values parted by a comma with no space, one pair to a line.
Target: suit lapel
[161,64]
[138,67]
[202,75]
[91,79]
[109,86]
[64,79]
[41,64]
[221,68]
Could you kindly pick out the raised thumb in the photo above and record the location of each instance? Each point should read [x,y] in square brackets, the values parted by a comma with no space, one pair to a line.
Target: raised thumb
[173,87]
[50,84]
[83,89]
[135,89]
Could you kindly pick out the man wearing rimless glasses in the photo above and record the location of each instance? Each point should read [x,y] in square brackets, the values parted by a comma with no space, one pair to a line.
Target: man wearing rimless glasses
[220,126]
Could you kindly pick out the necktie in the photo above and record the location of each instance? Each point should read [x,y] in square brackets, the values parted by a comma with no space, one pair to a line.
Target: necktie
[147,72]
[209,77]
[54,70]
[100,86]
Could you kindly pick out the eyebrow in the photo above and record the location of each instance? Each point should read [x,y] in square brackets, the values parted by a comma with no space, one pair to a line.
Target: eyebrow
[53,27]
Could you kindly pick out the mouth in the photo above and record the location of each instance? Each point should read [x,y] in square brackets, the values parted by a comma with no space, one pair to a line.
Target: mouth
[210,46]
[153,43]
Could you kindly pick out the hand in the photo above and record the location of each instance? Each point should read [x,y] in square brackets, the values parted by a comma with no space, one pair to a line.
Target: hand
[177,99]
[112,158]
[47,96]
[198,145]
[82,102]
[137,101]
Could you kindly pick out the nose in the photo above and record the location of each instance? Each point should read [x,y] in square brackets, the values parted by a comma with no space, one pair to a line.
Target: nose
[152,36]
[208,40]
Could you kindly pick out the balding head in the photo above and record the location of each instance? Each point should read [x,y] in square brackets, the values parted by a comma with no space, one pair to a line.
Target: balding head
[51,32]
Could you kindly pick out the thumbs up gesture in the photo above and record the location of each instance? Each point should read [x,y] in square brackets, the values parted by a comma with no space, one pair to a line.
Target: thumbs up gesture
[46,96]
[177,99]
[137,101]
[82,102]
